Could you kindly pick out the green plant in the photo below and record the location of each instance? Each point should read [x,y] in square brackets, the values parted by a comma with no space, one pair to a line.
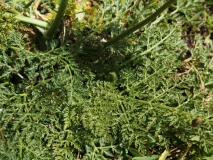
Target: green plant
[148,96]
[52,29]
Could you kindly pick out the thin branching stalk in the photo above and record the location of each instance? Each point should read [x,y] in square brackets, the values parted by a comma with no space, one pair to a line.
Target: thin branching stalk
[148,50]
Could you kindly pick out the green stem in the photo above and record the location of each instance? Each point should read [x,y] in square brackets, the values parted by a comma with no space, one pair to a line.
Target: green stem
[28,20]
[51,31]
[139,25]
[32,21]
[22,18]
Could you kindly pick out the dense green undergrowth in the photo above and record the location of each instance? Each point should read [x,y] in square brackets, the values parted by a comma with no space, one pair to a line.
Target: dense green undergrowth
[148,96]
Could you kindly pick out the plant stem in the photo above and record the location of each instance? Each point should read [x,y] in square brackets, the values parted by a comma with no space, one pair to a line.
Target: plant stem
[139,25]
[25,19]
[36,22]
[51,31]
[22,18]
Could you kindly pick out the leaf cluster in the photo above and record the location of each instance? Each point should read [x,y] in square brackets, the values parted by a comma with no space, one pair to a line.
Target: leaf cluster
[78,100]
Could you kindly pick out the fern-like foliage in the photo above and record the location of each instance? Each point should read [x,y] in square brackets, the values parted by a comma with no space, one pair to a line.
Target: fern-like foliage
[79,100]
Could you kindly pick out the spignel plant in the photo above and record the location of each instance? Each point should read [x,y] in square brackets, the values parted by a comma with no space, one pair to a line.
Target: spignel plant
[112,79]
